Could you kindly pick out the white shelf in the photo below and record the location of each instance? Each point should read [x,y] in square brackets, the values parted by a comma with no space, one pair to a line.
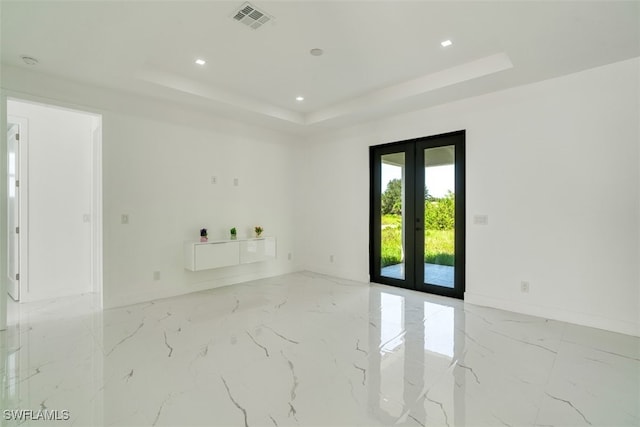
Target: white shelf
[227,252]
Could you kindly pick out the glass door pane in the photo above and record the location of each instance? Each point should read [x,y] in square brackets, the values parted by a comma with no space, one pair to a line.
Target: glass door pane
[392,215]
[439,216]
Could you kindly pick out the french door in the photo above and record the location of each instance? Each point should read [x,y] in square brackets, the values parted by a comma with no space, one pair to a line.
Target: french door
[417,214]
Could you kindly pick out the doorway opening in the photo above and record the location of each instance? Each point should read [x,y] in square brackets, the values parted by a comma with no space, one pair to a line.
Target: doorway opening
[417,214]
[55,202]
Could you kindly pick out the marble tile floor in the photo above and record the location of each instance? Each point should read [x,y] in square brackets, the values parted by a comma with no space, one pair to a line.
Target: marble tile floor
[311,350]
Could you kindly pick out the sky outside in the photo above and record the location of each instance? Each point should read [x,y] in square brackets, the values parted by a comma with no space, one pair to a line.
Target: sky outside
[439,179]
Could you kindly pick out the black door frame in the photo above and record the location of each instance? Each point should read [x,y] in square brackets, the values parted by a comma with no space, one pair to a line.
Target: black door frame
[414,212]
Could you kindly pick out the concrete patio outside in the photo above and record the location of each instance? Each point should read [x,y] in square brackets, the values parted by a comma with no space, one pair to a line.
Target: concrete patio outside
[434,274]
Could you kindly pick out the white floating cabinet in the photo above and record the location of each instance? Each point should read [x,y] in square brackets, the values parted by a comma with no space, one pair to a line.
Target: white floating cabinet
[224,253]
[256,250]
[214,255]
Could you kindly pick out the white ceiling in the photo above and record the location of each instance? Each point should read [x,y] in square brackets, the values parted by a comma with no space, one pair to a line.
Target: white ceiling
[381,57]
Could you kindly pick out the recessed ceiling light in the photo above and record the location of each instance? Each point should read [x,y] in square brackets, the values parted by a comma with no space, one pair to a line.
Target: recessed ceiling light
[446,43]
[316,51]
[299,98]
[29,60]
[200,61]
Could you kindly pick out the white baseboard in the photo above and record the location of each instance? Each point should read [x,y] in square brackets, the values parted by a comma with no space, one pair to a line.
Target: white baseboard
[131,299]
[584,319]
[356,276]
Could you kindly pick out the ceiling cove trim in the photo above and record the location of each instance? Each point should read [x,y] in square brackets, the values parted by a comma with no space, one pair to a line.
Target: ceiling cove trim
[451,76]
[219,95]
[418,86]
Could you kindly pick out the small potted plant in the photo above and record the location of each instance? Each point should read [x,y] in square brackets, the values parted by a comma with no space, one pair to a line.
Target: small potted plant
[203,235]
[258,230]
[234,233]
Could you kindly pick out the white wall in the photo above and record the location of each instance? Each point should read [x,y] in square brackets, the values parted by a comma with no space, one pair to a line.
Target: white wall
[160,175]
[59,193]
[554,165]
[158,159]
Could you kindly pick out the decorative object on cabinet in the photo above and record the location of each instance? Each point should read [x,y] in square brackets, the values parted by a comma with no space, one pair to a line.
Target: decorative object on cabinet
[203,235]
[224,253]
[234,233]
[258,230]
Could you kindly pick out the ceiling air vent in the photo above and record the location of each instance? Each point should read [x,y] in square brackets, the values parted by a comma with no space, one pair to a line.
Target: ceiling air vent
[251,16]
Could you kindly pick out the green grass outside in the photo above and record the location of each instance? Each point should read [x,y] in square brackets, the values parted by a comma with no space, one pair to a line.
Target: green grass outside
[439,243]
[392,220]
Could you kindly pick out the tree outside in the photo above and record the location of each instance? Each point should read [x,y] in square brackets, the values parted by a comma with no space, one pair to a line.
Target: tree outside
[392,198]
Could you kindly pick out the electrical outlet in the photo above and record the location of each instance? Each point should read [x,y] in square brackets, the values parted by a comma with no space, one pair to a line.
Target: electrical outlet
[214,179]
[124,219]
[156,275]
[330,258]
[524,287]
[236,181]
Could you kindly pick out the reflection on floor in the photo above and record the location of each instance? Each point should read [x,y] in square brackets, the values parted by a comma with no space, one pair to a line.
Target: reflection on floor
[71,306]
[441,275]
[305,349]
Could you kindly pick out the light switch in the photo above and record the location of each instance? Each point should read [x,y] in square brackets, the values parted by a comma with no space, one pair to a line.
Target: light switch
[124,219]
[481,219]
